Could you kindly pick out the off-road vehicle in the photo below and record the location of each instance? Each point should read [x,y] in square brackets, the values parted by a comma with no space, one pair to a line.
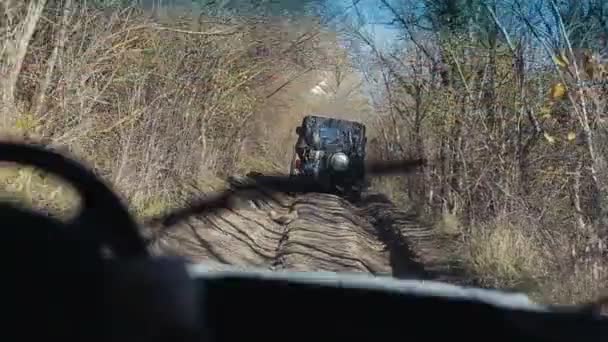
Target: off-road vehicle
[332,151]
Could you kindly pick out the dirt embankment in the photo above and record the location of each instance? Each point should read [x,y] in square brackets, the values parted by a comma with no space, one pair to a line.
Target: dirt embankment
[313,232]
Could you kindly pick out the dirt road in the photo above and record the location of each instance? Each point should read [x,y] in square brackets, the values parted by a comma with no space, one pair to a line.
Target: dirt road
[314,232]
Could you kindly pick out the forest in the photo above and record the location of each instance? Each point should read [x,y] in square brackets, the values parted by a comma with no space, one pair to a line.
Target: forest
[505,98]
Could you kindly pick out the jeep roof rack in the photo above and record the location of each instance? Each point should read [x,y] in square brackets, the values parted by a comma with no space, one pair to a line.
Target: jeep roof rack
[328,117]
[309,120]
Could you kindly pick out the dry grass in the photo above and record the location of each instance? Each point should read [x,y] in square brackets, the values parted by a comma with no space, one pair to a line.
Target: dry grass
[393,187]
[28,187]
[503,255]
[513,253]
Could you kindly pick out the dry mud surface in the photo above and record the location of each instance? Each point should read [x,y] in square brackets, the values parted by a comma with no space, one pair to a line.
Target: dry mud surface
[313,232]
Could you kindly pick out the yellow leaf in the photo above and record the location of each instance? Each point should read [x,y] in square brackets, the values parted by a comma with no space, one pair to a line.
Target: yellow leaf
[561,60]
[549,138]
[571,136]
[558,91]
[545,112]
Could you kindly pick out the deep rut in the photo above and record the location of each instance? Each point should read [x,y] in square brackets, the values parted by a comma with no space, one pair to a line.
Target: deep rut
[313,232]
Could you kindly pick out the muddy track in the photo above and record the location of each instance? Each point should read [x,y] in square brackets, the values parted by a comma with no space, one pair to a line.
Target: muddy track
[313,232]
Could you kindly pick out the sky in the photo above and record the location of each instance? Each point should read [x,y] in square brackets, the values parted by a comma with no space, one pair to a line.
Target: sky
[374,15]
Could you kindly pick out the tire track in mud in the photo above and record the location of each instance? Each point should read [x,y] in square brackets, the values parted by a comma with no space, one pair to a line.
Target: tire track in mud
[417,249]
[329,235]
[242,235]
[313,232]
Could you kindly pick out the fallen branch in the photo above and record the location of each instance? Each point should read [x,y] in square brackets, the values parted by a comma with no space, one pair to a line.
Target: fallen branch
[198,33]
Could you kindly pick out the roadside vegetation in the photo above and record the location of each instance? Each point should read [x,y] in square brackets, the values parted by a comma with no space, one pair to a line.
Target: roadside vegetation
[507,99]
[156,99]
[504,98]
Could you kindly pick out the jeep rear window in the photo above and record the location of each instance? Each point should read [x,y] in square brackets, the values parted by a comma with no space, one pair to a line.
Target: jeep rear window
[329,135]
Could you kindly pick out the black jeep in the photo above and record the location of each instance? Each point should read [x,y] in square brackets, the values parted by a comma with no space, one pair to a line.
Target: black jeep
[332,151]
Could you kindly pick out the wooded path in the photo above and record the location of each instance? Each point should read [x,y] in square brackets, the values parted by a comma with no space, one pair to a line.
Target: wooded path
[314,232]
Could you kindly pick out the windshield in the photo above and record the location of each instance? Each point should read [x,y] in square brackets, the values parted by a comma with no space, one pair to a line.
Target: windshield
[506,100]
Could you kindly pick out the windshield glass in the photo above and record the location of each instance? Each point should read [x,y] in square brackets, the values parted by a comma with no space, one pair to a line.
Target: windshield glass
[329,135]
[505,99]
